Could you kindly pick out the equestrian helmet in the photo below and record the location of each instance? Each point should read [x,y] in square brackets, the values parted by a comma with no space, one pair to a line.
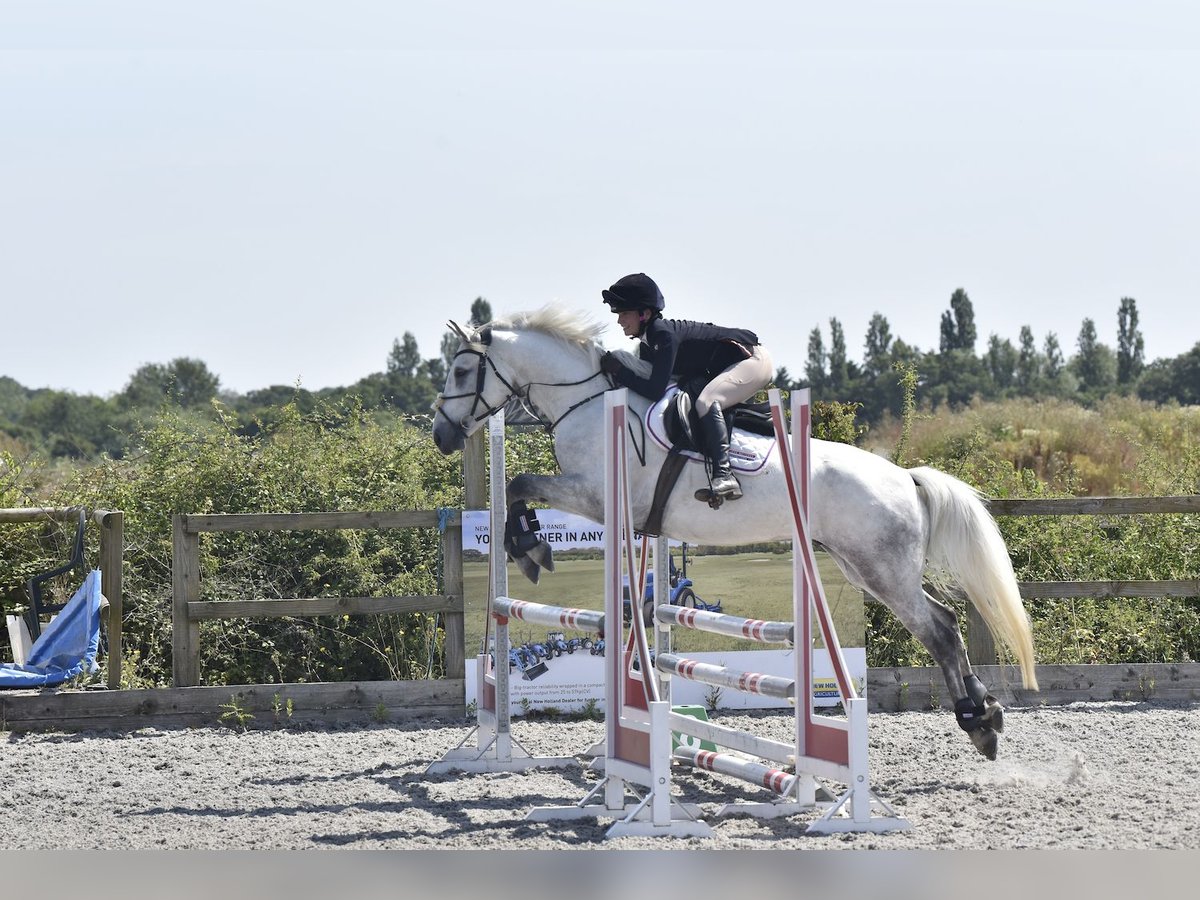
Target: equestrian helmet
[634,292]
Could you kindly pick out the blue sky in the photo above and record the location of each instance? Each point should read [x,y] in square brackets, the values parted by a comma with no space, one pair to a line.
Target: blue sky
[283,188]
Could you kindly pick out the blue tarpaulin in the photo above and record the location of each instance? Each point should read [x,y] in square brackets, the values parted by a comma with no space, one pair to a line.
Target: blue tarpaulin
[67,646]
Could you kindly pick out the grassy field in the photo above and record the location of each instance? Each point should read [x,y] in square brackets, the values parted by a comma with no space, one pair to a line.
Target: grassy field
[754,585]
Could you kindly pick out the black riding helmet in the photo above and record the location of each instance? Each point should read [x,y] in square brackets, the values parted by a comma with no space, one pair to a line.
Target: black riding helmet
[634,292]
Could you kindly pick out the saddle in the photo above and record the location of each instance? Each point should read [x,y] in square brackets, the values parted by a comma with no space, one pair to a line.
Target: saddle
[680,422]
[680,425]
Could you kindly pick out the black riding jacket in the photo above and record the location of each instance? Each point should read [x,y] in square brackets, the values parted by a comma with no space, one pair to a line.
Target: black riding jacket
[684,351]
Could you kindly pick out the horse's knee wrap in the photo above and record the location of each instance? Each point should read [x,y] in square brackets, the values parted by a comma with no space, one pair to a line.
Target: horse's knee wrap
[972,709]
[520,530]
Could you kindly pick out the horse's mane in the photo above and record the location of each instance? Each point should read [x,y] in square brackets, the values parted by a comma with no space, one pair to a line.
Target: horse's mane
[556,321]
[574,328]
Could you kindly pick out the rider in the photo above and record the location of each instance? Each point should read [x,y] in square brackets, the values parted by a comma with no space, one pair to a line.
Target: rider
[730,363]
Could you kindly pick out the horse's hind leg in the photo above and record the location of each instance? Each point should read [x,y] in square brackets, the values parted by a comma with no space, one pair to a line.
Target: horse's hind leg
[978,712]
[935,625]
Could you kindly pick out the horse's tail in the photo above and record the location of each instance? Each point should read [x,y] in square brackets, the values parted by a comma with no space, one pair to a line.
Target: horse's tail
[964,539]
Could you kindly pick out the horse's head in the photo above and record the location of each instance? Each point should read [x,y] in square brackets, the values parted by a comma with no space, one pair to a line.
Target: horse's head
[550,352]
[474,390]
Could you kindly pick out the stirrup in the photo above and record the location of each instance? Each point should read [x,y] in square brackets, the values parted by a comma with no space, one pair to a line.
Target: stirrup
[719,490]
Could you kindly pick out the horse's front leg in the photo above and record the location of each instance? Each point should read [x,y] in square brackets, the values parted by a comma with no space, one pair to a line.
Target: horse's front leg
[566,492]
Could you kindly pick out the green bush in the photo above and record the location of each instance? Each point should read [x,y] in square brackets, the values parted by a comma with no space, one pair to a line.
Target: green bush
[336,458]
[322,457]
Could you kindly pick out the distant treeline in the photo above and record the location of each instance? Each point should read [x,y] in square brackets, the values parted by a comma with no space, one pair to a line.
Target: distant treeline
[954,374]
[61,424]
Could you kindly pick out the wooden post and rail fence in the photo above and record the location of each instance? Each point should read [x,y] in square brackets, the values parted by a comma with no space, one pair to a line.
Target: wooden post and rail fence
[190,703]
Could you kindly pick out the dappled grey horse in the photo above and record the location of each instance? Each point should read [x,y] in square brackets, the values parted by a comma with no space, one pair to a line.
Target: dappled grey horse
[880,523]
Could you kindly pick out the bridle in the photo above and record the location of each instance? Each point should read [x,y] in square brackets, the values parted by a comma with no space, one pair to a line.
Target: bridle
[472,418]
[477,346]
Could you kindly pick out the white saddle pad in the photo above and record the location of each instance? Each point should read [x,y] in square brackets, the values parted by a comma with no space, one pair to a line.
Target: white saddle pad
[748,453]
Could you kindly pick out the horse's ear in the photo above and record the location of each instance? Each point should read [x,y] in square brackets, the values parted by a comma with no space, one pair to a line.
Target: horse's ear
[466,338]
[484,335]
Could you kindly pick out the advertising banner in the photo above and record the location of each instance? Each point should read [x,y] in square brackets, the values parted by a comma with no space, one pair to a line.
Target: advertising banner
[561,530]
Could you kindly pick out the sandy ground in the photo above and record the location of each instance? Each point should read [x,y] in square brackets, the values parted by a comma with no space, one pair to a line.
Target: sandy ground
[1099,776]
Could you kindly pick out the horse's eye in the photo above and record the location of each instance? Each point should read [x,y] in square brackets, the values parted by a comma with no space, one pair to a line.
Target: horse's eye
[460,373]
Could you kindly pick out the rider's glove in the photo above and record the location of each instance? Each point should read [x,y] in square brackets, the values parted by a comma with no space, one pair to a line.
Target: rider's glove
[609,364]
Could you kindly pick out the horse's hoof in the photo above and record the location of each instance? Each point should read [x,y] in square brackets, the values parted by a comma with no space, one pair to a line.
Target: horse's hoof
[986,741]
[994,717]
[541,555]
[529,568]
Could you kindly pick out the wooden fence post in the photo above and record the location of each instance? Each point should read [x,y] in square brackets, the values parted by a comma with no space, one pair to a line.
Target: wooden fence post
[981,646]
[185,589]
[112,556]
[452,577]
[475,496]
[475,472]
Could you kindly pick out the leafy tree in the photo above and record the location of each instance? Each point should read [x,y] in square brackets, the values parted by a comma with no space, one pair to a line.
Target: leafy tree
[13,397]
[279,395]
[839,367]
[450,342]
[958,324]
[183,381]
[411,396]
[435,371]
[1002,361]
[260,409]
[877,347]
[954,378]
[1130,344]
[1054,363]
[1178,379]
[1028,363]
[955,374]
[481,311]
[814,367]
[1094,365]
[73,426]
[405,358]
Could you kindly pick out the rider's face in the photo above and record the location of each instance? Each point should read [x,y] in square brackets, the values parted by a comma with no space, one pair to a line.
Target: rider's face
[630,321]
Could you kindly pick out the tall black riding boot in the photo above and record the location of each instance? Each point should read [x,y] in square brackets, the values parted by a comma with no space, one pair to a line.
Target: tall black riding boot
[715,435]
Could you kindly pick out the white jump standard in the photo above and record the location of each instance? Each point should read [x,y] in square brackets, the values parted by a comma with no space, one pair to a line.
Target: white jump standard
[495,749]
[639,728]
[824,747]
